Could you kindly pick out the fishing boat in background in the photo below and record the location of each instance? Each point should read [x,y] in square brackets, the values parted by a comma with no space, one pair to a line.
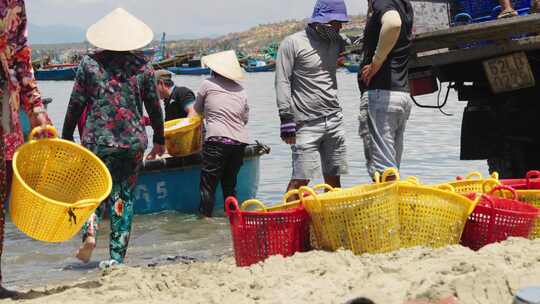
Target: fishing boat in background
[189,70]
[254,66]
[352,67]
[56,72]
[172,184]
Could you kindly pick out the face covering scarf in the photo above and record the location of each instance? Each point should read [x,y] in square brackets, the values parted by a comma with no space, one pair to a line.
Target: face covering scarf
[327,32]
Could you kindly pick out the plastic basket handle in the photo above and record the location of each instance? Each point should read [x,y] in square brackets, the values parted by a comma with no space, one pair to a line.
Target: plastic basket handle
[287,195]
[82,204]
[324,187]
[413,180]
[447,187]
[253,202]
[388,172]
[531,175]
[489,184]
[231,205]
[40,129]
[474,175]
[377,178]
[311,192]
[501,188]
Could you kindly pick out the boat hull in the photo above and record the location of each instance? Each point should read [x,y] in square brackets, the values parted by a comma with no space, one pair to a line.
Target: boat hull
[189,71]
[56,74]
[178,189]
[257,69]
[353,68]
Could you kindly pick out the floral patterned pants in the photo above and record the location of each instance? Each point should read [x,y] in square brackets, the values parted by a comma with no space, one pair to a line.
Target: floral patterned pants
[3,195]
[123,164]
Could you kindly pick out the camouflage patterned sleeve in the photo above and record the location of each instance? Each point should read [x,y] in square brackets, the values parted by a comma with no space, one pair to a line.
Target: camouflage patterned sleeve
[153,107]
[77,102]
[29,95]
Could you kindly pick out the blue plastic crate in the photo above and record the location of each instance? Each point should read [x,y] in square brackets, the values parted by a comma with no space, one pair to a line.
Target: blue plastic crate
[473,11]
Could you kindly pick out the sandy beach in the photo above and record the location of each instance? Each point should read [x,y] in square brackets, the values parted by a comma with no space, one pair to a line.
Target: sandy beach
[491,275]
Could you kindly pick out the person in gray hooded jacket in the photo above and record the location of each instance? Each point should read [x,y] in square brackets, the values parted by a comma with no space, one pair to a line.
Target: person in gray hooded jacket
[306,89]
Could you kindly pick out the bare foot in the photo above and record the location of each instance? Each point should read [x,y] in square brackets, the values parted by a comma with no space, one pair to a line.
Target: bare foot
[85,251]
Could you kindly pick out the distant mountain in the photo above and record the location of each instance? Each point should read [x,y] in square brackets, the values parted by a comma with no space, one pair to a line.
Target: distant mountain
[255,38]
[55,34]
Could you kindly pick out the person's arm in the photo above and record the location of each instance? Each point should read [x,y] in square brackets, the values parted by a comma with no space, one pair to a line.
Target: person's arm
[198,106]
[29,95]
[284,73]
[153,108]
[388,36]
[77,102]
[188,102]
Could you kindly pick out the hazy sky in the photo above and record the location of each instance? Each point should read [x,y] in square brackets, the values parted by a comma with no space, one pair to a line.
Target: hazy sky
[177,17]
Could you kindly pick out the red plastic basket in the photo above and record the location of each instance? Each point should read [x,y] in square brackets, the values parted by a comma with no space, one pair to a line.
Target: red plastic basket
[495,219]
[530,182]
[257,235]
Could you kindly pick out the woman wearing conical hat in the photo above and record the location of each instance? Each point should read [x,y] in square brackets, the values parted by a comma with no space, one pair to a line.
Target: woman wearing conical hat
[223,103]
[114,84]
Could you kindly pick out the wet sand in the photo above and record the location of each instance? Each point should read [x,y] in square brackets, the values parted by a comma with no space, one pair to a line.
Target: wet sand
[491,275]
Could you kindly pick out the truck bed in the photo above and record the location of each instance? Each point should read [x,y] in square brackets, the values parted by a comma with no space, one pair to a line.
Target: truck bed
[475,42]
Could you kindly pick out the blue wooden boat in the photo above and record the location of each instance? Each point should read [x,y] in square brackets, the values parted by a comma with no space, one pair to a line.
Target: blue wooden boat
[173,183]
[67,73]
[189,70]
[353,67]
[255,68]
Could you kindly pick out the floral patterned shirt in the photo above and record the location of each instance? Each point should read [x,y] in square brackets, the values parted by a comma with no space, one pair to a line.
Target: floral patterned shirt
[114,86]
[16,71]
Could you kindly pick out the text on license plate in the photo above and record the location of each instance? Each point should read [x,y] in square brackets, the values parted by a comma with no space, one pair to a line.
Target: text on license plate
[509,73]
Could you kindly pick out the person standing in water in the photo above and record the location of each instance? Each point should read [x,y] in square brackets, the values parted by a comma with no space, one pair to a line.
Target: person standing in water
[385,103]
[222,101]
[306,89]
[114,83]
[18,92]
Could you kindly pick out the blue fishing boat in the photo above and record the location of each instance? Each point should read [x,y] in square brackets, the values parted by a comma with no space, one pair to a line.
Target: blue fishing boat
[255,66]
[66,73]
[353,67]
[189,70]
[173,183]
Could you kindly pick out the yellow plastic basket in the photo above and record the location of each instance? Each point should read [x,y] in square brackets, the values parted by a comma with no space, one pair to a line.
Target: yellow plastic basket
[183,136]
[532,197]
[361,219]
[56,186]
[432,217]
[472,183]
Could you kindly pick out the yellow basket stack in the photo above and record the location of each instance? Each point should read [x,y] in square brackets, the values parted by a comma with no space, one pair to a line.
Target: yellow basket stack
[56,186]
[183,136]
[361,219]
[387,215]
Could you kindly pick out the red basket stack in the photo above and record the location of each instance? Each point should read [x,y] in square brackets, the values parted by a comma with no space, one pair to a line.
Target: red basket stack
[530,182]
[494,219]
[257,235]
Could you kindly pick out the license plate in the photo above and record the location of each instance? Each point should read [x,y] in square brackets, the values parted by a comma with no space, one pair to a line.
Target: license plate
[509,73]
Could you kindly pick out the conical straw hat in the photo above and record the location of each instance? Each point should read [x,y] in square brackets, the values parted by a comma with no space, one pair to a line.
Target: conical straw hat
[225,64]
[119,31]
